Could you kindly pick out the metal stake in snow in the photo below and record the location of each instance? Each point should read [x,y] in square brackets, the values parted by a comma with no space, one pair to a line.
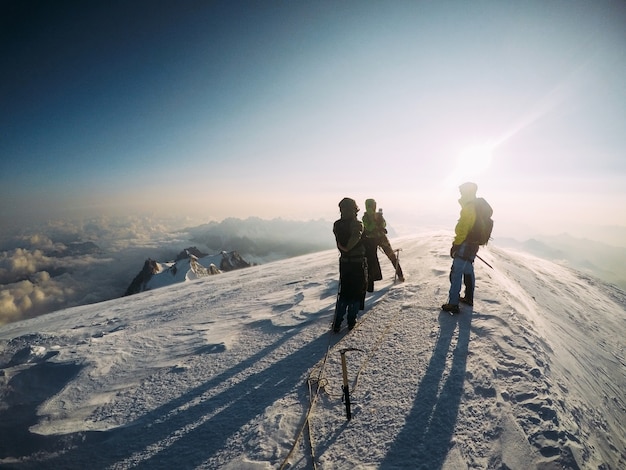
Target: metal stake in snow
[346,387]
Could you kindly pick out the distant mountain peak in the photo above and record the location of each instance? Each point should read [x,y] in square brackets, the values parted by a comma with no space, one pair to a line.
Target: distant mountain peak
[189,264]
[191,251]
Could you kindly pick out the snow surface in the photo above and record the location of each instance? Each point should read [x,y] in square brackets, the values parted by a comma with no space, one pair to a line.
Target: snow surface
[241,371]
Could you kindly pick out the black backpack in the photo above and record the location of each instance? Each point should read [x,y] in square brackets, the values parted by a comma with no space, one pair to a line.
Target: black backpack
[481,232]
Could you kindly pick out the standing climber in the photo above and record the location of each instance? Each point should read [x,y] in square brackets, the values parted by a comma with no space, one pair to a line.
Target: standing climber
[375,235]
[472,230]
[352,264]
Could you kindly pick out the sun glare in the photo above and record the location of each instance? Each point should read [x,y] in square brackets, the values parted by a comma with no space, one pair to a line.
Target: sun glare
[476,158]
[471,162]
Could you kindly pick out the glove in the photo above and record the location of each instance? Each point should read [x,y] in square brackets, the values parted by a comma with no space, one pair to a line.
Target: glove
[453,250]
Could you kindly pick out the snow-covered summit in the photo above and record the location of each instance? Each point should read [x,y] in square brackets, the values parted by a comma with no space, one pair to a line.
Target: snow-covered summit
[189,265]
[241,371]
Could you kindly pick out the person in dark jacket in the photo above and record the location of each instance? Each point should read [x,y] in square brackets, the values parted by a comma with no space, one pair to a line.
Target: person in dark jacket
[463,252]
[352,264]
[375,235]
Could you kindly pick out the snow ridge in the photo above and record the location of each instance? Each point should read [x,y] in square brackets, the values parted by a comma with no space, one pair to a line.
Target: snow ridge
[216,372]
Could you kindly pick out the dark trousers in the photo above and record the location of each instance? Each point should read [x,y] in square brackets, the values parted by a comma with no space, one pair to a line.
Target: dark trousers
[352,288]
[373,266]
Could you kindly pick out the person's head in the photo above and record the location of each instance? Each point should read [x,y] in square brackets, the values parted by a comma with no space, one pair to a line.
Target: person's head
[370,205]
[468,189]
[348,207]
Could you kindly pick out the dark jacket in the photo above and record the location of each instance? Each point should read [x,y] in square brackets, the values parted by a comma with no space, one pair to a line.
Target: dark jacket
[348,231]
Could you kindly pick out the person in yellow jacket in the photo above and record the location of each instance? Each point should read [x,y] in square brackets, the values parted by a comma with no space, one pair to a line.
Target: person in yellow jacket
[463,251]
[375,235]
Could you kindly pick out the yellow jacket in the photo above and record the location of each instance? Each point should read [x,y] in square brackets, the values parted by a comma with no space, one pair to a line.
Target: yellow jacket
[466,219]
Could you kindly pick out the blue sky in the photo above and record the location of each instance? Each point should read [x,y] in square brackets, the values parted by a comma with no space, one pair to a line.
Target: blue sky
[281,108]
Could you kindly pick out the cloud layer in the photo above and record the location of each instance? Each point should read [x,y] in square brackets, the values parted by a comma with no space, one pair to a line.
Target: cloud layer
[64,264]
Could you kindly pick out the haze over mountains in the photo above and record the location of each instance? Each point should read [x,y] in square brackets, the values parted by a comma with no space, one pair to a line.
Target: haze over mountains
[40,271]
[599,259]
[76,263]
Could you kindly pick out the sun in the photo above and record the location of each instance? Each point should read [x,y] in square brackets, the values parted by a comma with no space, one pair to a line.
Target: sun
[475,159]
[471,162]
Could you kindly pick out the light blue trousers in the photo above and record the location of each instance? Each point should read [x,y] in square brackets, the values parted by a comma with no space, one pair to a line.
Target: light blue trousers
[460,267]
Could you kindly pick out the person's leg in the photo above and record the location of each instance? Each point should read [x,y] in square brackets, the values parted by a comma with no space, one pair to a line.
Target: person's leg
[383,242]
[340,310]
[354,283]
[343,296]
[353,309]
[468,281]
[456,278]
[386,246]
[373,266]
[399,271]
[364,272]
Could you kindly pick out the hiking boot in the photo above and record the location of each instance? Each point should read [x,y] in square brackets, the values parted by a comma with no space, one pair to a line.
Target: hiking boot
[467,301]
[351,327]
[450,308]
[336,328]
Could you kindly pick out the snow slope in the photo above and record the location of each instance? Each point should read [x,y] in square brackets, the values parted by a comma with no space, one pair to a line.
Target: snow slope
[223,371]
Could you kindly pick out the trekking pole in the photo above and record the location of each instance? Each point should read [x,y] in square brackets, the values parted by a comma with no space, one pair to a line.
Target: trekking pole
[346,387]
[484,261]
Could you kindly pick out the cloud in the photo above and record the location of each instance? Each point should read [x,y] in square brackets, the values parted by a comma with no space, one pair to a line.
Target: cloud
[20,263]
[69,263]
[42,242]
[29,289]
[35,296]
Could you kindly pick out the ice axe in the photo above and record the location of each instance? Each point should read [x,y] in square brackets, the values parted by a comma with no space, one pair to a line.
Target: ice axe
[346,387]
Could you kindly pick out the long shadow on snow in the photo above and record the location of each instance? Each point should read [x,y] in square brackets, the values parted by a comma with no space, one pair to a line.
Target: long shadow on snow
[189,437]
[425,439]
[237,406]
